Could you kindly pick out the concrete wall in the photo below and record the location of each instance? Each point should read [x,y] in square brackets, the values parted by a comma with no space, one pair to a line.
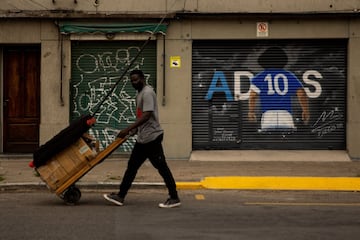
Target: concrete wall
[54,104]
[175,113]
[54,115]
[353,98]
[21,7]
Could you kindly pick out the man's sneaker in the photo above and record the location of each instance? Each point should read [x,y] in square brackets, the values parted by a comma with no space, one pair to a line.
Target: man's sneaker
[114,198]
[170,203]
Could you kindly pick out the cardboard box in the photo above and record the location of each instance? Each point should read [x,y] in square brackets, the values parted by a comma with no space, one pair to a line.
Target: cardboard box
[65,164]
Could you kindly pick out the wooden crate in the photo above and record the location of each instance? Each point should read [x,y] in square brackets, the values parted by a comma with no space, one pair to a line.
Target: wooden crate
[65,164]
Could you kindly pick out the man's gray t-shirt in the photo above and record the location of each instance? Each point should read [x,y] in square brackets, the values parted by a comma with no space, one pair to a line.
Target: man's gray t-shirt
[146,102]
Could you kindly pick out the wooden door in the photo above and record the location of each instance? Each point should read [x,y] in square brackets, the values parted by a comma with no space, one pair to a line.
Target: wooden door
[21,99]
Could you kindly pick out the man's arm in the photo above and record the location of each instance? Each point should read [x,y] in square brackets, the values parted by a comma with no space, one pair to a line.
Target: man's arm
[304,103]
[252,103]
[140,121]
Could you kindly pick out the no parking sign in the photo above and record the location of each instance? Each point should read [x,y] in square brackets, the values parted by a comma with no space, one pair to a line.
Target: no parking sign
[262,29]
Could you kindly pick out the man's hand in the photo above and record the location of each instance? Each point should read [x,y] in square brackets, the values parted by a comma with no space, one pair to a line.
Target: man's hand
[305,116]
[252,102]
[304,103]
[132,129]
[123,133]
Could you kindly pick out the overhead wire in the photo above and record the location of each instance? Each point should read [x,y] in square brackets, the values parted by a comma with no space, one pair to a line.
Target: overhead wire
[167,12]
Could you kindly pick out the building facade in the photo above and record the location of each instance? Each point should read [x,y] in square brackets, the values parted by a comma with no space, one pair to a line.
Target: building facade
[229,75]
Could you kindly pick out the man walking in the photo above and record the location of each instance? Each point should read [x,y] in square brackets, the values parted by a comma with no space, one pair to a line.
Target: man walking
[148,144]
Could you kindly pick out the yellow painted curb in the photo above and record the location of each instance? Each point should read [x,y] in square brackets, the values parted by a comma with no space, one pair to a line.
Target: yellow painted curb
[189,185]
[283,183]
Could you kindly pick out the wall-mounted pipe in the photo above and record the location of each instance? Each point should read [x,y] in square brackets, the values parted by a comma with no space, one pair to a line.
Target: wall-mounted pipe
[61,68]
[164,66]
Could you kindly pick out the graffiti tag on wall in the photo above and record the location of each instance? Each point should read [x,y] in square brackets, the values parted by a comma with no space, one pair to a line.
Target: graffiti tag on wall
[96,73]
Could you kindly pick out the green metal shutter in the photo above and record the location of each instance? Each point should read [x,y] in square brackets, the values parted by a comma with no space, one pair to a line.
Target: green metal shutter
[223,71]
[96,67]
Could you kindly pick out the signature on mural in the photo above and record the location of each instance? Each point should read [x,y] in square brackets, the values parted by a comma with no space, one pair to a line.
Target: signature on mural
[327,123]
[223,135]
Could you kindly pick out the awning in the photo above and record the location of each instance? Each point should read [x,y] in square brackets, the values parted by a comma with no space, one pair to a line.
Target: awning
[80,27]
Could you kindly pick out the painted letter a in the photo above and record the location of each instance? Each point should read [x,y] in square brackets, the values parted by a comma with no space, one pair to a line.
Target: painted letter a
[222,87]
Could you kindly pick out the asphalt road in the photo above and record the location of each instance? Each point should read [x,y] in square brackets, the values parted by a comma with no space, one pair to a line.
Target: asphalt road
[204,214]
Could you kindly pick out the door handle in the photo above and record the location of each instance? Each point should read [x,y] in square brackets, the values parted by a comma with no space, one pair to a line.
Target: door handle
[6,102]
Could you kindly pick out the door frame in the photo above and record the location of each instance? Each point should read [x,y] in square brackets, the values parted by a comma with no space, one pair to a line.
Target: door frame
[2,89]
[1,99]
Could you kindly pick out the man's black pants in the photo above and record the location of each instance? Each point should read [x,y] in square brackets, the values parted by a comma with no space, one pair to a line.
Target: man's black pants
[155,153]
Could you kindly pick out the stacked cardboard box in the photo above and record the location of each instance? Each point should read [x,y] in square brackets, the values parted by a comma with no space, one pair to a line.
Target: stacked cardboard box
[65,164]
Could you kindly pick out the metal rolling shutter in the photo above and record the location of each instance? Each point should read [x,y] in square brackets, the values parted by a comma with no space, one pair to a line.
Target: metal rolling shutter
[221,77]
[96,66]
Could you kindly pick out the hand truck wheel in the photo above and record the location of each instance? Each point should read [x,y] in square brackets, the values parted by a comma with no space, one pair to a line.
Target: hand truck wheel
[72,195]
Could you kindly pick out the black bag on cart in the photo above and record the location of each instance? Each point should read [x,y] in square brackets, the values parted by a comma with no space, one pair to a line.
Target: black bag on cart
[62,140]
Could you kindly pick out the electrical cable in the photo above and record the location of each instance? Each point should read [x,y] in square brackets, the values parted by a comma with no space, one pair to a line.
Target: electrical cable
[132,61]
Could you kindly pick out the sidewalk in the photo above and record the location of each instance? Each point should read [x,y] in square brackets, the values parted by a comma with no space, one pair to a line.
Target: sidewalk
[330,174]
